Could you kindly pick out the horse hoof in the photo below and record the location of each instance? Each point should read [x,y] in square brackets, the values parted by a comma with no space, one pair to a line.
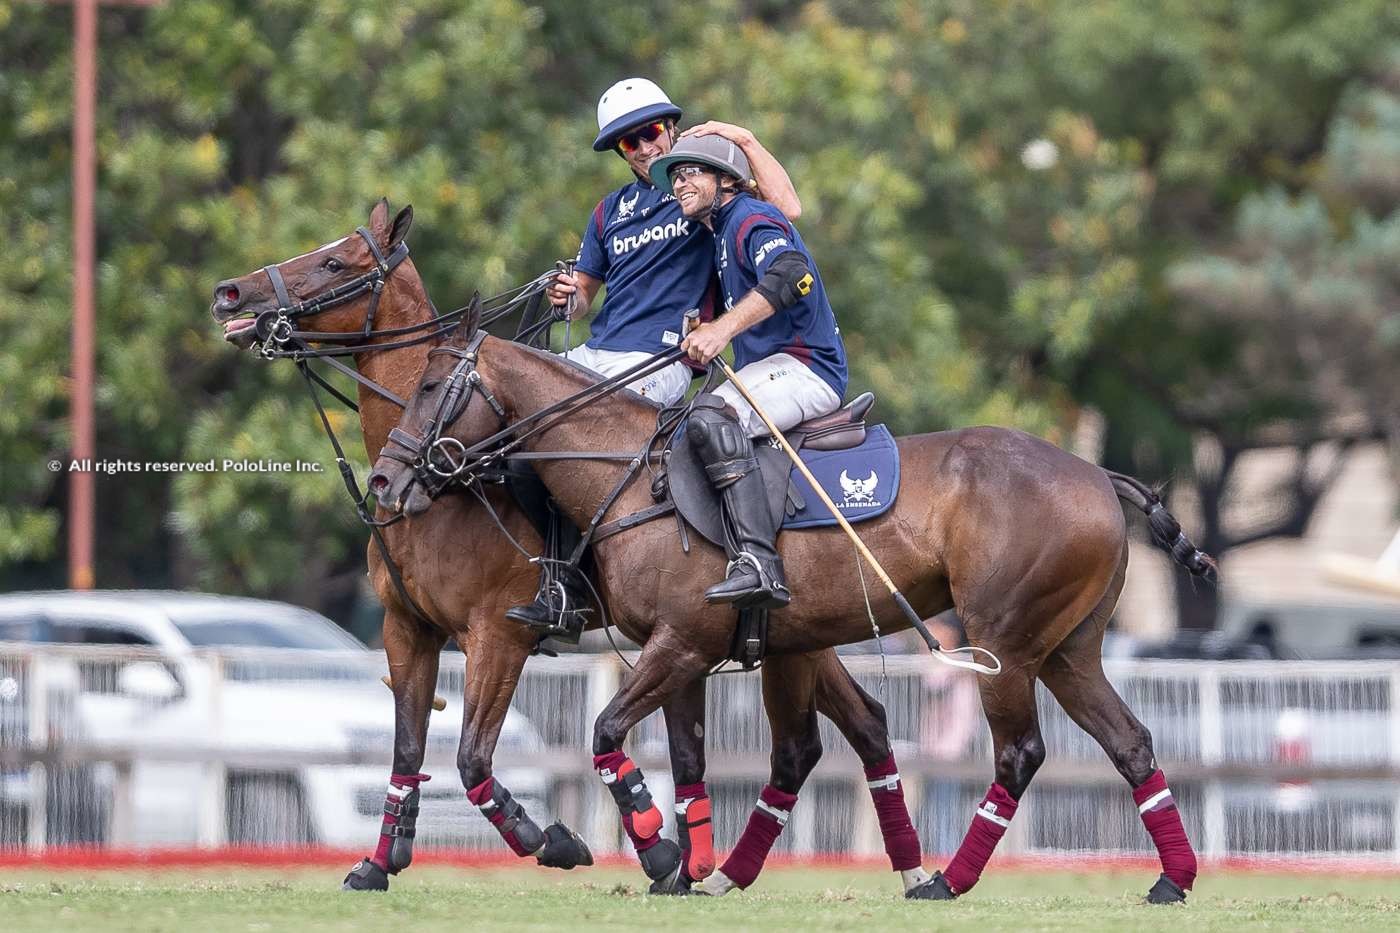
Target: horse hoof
[934,889]
[563,848]
[678,885]
[365,876]
[662,862]
[1166,891]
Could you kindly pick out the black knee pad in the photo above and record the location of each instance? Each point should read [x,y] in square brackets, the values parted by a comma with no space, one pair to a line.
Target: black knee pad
[719,440]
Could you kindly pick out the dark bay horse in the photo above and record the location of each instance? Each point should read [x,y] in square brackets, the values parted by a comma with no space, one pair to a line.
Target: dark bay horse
[457,567]
[1026,541]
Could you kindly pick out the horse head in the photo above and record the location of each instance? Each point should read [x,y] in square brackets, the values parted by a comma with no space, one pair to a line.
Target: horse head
[450,404]
[329,289]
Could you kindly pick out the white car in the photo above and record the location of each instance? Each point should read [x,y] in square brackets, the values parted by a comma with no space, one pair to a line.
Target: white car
[222,707]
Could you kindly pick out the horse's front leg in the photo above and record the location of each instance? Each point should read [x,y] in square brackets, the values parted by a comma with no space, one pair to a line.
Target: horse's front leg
[685,734]
[666,667]
[495,658]
[413,650]
[789,699]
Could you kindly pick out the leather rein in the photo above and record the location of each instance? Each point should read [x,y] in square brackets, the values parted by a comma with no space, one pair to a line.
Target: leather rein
[439,460]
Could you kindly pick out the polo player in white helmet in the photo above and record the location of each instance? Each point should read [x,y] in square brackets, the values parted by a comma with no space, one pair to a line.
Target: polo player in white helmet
[657,265]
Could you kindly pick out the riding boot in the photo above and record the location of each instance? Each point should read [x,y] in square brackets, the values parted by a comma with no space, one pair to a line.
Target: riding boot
[754,578]
[561,604]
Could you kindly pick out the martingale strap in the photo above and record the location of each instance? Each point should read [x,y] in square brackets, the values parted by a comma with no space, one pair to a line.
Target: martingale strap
[352,486]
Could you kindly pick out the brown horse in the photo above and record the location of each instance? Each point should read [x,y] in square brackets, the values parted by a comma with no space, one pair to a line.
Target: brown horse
[457,568]
[1026,541]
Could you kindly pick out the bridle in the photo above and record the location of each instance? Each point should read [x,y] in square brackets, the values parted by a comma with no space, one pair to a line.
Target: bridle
[439,460]
[275,328]
[280,339]
[436,459]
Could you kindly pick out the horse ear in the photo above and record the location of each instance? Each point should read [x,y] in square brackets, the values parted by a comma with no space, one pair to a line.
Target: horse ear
[379,219]
[471,321]
[402,221]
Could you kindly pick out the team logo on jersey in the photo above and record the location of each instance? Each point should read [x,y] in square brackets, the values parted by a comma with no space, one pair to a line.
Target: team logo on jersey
[625,207]
[724,254]
[653,234]
[859,493]
[768,247]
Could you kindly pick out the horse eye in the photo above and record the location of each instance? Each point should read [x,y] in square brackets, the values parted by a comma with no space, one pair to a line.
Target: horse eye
[429,387]
[334,265]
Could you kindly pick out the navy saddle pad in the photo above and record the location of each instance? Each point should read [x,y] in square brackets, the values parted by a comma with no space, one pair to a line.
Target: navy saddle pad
[863,481]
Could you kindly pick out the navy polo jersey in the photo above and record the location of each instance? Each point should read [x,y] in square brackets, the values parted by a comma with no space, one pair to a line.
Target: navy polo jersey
[656,265]
[749,235]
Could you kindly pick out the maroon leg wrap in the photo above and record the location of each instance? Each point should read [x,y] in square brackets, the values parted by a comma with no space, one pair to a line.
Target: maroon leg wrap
[767,820]
[397,824]
[640,816]
[1159,814]
[695,830]
[989,824]
[887,793]
[510,820]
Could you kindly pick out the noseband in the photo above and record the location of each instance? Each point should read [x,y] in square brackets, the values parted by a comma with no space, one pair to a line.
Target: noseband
[274,326]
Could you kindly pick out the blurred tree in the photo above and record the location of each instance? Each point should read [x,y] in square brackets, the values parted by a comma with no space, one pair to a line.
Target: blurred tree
[996,194]
[1308,289]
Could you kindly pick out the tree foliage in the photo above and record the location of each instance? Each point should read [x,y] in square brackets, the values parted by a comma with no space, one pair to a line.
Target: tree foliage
[1014,206]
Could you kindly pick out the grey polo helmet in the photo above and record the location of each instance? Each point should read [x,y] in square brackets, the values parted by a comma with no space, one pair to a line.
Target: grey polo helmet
[715,151]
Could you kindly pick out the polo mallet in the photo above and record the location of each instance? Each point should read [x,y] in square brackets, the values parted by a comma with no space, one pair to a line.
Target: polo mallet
[947,657]
[439,703]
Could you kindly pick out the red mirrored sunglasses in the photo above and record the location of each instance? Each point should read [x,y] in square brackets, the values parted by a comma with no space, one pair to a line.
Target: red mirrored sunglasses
[632,141]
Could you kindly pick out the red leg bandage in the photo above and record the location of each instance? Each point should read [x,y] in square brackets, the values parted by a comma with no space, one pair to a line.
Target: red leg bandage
[696,833]
[1159,814]
[887,793]
[989,824]
[640,816]
[767,820]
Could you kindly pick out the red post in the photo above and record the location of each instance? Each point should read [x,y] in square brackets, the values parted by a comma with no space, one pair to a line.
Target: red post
[82,497]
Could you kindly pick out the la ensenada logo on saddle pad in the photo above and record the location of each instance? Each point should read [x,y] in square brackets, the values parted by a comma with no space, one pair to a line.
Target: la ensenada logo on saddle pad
[862,482]
[859,493]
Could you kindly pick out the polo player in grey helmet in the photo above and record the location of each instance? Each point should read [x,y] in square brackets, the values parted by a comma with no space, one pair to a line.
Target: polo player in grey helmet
[656,265]
[787,350]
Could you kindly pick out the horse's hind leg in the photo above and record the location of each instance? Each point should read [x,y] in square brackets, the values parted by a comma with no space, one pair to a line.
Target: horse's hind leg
[861,719]
[789,697]
[685,735]
[1009,702]
[412,650]
[494,663]
[1074,674]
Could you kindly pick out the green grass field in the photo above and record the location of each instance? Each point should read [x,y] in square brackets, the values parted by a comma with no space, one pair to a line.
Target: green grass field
[432,899]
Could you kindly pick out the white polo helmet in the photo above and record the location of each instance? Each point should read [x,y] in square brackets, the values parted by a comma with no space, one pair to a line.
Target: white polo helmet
[628,104]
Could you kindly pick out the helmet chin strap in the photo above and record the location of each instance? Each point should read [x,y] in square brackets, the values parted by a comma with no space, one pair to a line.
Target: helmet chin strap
[715,204]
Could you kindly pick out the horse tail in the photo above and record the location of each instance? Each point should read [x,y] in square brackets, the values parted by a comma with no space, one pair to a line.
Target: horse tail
[1165,529]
